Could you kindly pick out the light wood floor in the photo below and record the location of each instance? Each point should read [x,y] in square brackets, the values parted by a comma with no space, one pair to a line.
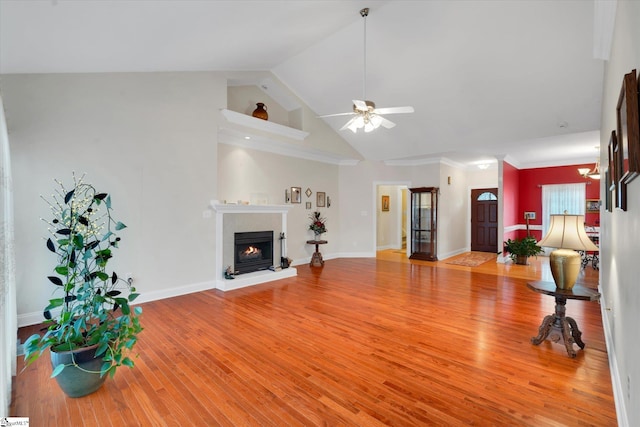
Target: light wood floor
[368,342]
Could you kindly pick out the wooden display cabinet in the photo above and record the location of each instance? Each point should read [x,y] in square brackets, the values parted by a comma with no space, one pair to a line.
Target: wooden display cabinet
[423,235]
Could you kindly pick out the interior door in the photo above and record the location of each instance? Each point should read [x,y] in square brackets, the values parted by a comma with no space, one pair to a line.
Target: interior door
[484,220]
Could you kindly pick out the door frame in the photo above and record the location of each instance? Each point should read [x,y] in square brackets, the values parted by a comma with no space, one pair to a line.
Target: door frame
[397,209]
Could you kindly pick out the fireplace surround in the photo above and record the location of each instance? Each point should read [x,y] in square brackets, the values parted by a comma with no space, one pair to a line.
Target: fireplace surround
[231,218]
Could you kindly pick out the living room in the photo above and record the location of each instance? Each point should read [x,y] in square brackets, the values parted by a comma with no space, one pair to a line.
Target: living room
[153,140]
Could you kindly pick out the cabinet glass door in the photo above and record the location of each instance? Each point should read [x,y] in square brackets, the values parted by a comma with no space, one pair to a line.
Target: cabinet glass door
[423,223]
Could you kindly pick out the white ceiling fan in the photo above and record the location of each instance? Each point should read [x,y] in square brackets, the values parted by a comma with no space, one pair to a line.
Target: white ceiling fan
[365,114]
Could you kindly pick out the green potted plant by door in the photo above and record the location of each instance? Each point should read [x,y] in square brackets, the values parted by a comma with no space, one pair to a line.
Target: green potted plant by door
[521,249]
[91,327]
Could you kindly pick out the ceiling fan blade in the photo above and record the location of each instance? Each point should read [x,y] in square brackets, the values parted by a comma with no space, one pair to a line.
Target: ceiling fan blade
[337,114]
[360,105]
[394,110]
[387,123]
[346,125]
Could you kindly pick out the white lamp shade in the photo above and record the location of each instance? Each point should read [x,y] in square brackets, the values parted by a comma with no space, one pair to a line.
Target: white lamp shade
[567,232]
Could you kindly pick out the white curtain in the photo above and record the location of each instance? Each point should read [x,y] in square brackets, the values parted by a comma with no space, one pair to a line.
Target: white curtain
[8,316]
[556,199]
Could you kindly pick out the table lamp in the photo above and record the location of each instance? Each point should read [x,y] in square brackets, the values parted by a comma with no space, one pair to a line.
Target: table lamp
[566,234]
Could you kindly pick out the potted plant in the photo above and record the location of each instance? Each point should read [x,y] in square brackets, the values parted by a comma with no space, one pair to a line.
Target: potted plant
[91,327]
[521,249]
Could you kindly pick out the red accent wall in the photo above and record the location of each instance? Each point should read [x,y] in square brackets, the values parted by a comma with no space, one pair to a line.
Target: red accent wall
[529,182]
[511,197]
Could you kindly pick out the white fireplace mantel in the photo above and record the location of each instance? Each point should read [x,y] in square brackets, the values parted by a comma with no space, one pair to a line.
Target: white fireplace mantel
[257,277]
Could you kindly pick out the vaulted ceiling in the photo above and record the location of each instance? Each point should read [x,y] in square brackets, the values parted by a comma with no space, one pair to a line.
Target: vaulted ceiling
[486,78]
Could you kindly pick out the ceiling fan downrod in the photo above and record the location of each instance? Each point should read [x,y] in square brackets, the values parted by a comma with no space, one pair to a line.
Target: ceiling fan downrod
[364,13]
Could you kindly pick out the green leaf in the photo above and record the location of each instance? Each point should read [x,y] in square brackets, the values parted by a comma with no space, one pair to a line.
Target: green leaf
[100,196]
[82,220]
[57,370]
[50,245]
[120,226]
[127,362]
[102,275]
[102,349]
[114,278]
[108,202]
[53,303]
[68,196]
[64,231]
[133,296]
[62,270]
[137,310]
[78,241]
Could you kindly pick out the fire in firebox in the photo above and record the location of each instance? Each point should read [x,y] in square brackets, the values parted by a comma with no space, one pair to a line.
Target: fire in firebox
[251,253]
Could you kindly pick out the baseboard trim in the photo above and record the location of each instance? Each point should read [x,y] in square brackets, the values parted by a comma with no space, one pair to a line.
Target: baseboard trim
[616,381]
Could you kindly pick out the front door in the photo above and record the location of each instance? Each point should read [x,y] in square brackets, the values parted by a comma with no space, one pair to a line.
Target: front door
[484,220]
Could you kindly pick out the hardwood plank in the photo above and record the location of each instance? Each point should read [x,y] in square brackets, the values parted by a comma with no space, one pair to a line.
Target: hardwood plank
[385,341]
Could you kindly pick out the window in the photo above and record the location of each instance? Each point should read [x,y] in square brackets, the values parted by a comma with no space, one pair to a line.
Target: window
[556,199]
[487,196]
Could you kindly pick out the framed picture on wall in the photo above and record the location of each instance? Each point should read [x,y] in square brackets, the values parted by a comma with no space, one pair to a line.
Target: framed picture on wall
[296,195]
[385,203]
[607,193]
[320,199]
[612,164]
[592,205]
[619,186]
[628,127]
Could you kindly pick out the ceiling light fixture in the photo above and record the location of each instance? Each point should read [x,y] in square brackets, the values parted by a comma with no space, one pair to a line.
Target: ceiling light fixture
[591,173]
[366,115]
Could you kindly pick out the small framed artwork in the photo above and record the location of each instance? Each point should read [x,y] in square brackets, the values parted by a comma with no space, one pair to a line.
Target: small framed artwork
[620,189]
[628,127]
[287,196]
[308,205]
[611,184]
[607,191]
[328,201]
[296,195]
[308,192]
[385,203]
[320,199]
[593,205]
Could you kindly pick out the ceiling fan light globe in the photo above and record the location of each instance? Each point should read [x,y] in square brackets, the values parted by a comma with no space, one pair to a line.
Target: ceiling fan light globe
[353,127]
[376,121]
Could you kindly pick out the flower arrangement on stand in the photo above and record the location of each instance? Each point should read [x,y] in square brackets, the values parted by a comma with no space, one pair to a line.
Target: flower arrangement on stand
[317,224]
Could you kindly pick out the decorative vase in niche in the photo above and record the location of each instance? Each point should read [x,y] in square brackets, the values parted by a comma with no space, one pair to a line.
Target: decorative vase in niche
[318,236]
[261,111]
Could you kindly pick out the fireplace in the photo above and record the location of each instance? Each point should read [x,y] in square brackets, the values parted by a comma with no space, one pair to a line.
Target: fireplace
[253,251]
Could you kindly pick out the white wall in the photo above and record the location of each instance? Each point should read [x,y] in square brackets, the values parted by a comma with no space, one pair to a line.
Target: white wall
[359,212]
[148,139]
[619,231]
[242,172]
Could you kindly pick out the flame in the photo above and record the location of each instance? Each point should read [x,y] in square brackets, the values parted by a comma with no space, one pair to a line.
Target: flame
[251,250]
